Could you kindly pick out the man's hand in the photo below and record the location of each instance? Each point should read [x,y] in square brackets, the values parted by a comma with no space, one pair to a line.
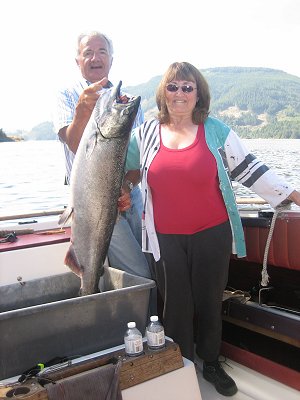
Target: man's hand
[72,134]
[124,201]
[89,97]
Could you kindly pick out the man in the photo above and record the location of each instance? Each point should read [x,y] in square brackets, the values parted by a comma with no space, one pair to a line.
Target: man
[74,108]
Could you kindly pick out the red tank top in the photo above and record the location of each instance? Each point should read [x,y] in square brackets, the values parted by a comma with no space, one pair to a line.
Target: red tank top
[185,188]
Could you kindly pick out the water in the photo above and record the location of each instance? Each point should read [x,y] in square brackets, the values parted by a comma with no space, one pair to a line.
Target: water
[282,155]
[32,172]
[32,177]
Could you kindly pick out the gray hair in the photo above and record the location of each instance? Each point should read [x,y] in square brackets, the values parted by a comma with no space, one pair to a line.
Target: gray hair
[97,34]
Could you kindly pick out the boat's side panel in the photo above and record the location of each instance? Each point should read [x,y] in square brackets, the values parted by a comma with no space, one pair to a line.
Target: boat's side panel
[278,372]
[32,263]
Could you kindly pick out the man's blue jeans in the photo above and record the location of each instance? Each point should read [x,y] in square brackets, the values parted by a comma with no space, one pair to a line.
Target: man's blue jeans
[125,251]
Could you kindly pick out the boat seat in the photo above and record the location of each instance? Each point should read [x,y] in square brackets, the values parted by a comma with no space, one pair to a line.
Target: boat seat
[284,248]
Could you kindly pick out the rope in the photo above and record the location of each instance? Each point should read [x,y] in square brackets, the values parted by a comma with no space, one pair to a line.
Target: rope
[264,273]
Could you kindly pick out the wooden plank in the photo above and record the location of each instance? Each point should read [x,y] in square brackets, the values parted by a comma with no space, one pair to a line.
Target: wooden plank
[250,200]
[262,331]
[265,320]
[31,215]
[134,370]
[150,365]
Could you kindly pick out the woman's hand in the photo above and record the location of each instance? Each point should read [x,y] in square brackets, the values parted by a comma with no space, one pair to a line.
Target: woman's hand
[295,197]
[124,201]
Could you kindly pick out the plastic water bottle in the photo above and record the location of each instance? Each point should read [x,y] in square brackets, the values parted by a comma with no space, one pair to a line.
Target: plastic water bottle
[133,340]
[155,334]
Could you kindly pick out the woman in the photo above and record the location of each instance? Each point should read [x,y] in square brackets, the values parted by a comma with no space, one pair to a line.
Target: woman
[190,216]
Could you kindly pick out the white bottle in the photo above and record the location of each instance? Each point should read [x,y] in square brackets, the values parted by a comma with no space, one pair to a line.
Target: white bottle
[133,340]
[155,334]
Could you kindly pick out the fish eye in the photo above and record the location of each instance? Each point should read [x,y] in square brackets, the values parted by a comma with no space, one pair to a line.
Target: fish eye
[125,111]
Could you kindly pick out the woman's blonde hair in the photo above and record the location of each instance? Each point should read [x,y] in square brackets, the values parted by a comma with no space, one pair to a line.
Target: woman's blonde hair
[184,71]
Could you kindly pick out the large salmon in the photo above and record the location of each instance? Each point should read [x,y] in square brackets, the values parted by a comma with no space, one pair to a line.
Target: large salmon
[96,181]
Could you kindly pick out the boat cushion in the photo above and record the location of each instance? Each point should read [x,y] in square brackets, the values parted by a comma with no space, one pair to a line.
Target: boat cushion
[284,249]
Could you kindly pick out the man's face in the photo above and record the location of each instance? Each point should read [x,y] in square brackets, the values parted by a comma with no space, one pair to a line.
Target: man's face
[94,59]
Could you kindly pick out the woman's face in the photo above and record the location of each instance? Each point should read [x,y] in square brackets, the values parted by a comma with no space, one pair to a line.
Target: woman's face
[181,97]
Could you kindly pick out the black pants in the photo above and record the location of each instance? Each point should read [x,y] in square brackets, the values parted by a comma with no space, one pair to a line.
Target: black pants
[191,277]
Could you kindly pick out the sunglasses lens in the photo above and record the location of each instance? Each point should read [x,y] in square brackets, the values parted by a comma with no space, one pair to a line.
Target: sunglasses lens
[187,88]
[171,87]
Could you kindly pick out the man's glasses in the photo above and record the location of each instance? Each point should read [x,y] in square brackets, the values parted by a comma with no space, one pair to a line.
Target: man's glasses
[172,87]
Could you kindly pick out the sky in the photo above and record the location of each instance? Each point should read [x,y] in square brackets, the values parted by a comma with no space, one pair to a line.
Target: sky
[38,43]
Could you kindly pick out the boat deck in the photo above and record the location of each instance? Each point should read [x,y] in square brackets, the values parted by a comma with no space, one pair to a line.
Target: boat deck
[283,261]
[183,384]
[251,385]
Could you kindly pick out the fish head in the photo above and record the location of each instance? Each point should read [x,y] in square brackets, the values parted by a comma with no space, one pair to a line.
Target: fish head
[118,117]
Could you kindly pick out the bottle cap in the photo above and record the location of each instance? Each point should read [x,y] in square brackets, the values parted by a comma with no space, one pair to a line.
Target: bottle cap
[154,318]
[131,324]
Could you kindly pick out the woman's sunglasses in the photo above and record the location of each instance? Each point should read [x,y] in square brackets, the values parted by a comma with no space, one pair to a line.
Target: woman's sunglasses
[172,87]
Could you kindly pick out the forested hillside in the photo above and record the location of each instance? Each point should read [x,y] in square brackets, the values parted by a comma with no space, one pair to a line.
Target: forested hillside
[256,102]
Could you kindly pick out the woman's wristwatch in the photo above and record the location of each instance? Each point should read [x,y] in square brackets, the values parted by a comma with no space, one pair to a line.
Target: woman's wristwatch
[130,185]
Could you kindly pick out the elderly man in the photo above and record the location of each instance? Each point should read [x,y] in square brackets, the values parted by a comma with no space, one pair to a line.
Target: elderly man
[74,108]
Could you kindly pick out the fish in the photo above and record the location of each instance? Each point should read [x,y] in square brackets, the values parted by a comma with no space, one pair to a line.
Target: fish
[95,185]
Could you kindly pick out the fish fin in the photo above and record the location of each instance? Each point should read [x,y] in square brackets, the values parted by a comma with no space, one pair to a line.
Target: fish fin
[66,216]
[71,261]
[90,145]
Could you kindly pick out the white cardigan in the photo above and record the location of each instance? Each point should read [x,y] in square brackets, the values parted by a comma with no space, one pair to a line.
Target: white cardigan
[233,162]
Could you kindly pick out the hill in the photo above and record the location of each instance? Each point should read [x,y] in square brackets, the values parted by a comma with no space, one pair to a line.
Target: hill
[255,102]
[42,131]
[4,137]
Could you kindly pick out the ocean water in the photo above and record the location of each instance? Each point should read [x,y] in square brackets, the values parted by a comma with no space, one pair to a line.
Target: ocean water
[32,172]
[32,177]
[282,155]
